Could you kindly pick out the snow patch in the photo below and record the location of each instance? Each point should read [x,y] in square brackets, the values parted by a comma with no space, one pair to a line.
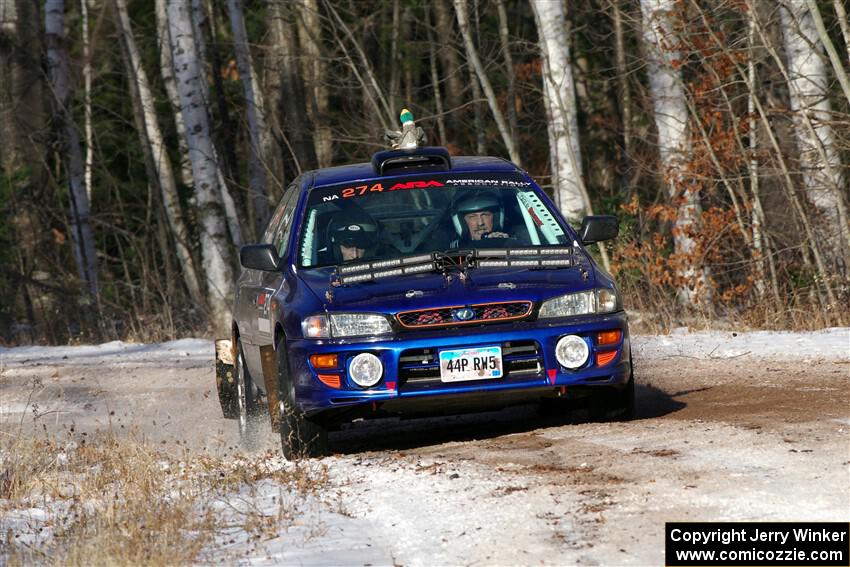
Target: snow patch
[827,344]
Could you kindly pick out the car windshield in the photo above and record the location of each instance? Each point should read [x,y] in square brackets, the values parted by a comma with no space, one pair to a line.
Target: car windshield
[393,217]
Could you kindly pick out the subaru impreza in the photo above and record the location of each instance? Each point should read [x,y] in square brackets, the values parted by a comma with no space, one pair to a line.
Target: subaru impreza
[419,284]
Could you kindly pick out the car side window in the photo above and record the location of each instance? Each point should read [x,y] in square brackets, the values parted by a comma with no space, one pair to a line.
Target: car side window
[277,233]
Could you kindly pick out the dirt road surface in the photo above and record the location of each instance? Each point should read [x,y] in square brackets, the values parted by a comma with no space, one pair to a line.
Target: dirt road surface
[732,438]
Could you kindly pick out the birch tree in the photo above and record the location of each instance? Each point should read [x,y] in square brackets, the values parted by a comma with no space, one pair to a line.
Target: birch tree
[87,128]
[461,9]
[215,247]
[200,21]
[560,104]
[166,67]
[151,139]
[674,144]
[258,134]
[808,83]
[82,234]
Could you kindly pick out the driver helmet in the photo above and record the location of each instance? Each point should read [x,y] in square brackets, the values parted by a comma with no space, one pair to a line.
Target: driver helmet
[472,202]
[350,228]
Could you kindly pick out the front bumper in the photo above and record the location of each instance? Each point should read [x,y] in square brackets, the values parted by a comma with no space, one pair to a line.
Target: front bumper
[411,372]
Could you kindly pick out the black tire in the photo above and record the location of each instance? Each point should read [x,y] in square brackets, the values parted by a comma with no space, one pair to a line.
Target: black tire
[249,415]
[624,401]
[299,436]
[618,404]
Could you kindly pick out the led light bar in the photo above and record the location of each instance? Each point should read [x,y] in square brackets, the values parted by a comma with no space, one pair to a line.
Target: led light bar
[401,270]
[383,264]
[501,253]
[525,263]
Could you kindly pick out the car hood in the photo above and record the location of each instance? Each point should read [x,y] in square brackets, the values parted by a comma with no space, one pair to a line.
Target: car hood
[422,291]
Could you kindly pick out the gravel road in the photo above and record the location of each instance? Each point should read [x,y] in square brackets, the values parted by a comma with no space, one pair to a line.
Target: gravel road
[734,438]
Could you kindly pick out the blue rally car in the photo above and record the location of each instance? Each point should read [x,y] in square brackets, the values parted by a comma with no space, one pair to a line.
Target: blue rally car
[420,284]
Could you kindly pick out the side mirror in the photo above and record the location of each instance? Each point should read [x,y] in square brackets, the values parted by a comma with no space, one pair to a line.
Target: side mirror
[599,228]
[259,257]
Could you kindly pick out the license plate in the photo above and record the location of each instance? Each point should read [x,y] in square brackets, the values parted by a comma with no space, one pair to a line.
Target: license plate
[481,363]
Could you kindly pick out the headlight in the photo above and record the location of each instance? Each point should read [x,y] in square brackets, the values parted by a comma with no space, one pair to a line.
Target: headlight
[365,369]
[345,325]
[601,300]
[572,352]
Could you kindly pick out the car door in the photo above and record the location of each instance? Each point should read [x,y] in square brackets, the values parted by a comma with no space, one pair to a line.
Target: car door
[271,281]
[258,286]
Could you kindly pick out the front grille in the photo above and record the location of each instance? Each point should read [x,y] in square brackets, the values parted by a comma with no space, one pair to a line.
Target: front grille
[421,367]
[450,316]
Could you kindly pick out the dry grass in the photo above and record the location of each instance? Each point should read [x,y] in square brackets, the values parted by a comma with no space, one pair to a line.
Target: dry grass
[118,501]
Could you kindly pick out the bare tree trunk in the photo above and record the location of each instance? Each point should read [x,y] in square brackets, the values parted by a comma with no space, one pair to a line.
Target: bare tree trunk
[215,247]
[505,40]
[284,65]
[671,119]
[841,16]
[57,62]
[151,138]
[448,55]
[478,115]
[759,243]
[21,156]
[370,82]
[167,71]
[475,61]
[314,70]
[625,92]
[211,66]
[395,60]
[819,159]
[561,119]
[817,21]
[255,112]
[198,22]
[435,80]
[84,13]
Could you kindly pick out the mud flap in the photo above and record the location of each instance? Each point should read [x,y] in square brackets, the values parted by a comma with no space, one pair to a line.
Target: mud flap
[225,378]
[268,357]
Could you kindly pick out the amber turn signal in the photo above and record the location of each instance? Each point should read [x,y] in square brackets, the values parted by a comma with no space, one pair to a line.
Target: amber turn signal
[604,358]
[608,337]
[323,360]
[331,380]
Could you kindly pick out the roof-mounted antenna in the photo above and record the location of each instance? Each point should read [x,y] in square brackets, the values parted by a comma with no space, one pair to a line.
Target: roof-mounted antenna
[409,137]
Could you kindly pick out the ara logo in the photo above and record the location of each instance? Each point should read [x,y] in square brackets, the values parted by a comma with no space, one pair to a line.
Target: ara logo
[416,185]
[463,314]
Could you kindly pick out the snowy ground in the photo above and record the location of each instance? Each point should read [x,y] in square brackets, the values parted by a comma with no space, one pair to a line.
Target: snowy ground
[732,426]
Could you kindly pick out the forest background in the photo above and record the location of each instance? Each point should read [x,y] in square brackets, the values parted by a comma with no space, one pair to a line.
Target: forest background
[142,141]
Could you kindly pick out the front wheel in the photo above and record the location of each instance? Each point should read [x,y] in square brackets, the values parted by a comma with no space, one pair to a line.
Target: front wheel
[299,436]
[249,417]
[619,404]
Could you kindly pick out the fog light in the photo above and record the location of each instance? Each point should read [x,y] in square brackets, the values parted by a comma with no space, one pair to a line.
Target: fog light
[572,352]
[365,369]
